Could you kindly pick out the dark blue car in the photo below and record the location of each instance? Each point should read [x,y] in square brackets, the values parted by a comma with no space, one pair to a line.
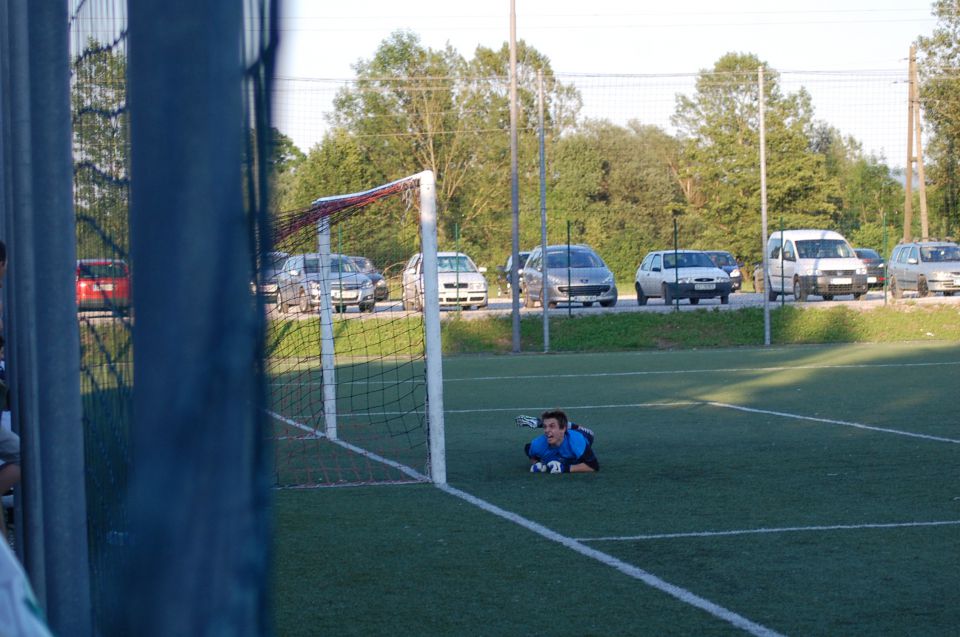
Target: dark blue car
[726,262]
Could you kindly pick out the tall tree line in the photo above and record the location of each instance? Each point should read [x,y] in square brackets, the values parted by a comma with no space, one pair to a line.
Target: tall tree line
[617,187]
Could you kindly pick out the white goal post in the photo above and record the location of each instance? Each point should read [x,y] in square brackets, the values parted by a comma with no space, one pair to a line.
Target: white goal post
[340,216]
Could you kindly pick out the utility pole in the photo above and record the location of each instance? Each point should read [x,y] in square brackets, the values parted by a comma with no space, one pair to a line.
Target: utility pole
[908,186]
[915,87]
[514,182]
[914,154]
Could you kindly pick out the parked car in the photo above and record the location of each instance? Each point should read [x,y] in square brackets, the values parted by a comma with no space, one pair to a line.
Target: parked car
[298,283]
[681,274]
[503,272]
[271,264]
[876,268]
[925,266]
[575,274]
[380,290]
[461,282]
[103,284]
[805,262]
[728,263]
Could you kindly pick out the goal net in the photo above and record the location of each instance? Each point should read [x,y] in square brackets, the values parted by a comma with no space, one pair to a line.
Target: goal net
[354,378]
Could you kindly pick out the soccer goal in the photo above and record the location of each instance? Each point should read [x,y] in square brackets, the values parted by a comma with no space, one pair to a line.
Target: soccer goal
[355,378]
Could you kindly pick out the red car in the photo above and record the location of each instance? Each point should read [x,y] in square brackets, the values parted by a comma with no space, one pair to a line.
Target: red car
[103,284]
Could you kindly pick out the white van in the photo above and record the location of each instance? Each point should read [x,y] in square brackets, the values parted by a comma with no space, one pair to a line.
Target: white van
[821,262]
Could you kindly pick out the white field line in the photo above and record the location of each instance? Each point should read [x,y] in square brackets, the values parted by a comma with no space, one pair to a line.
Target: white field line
[786,529]
[830,421]
[480,410]
[666,372]
[413,473]
[680,403]
[630,570]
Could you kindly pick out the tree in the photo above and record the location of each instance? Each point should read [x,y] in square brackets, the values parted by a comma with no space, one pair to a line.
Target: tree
[720,170]
[940,98]
[414,108]
[617,186]
[868,189]
[100,151]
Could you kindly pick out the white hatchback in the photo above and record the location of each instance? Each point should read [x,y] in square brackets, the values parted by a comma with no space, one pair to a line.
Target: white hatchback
[681,274]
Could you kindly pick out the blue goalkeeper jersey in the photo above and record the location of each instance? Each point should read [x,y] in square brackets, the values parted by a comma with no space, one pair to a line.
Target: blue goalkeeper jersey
[574,449]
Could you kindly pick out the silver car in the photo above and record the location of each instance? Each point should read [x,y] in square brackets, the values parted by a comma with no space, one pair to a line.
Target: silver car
[681,274]
[925,266]
[575,274]
[298,283]
[461,283]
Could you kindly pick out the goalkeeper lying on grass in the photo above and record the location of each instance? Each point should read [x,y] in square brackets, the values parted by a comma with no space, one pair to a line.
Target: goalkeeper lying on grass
[563,447]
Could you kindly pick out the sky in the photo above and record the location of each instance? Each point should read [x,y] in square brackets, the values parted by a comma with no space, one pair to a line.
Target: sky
[322,39]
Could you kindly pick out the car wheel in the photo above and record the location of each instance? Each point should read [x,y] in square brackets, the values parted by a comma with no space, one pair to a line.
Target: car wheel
[858,296]
[922,289]
[694,301]
[798,292]
[528,301]
[667,296]
[895,290]
[771,295]
[588,304]
[304,303]
[725,299]
[612,302]
[947,293]
[550,305]
[641,297]
[829,297]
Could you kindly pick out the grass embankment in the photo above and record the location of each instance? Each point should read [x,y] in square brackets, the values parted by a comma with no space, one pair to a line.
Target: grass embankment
[707,328]
[630,331]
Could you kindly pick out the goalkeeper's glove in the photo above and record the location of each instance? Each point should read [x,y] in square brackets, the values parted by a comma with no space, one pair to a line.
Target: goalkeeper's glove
[555,466]
[538,467]
[528,421]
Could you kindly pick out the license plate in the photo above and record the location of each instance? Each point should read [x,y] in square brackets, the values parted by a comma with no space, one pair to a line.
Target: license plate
[584,299]
[841,281]
[103,287]
[871,279]
[704,286]
[345,296]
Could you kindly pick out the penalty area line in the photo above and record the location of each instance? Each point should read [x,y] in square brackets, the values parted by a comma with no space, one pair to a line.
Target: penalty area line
[630,570]
[647,578]
[785,529]
[829,421]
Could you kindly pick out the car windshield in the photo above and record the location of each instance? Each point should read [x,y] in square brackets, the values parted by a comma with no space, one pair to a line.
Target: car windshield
[687,260]
[578,259]
[937,254]
[823,249]
[866,253]
[338,265]
[106,270]
[722,258]
[455,264]
[363,263]
[273,263]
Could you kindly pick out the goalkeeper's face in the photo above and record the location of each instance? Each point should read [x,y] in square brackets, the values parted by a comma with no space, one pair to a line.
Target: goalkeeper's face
[553,431]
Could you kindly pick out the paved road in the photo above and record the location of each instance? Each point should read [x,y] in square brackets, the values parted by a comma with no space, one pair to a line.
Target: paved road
[501,306]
